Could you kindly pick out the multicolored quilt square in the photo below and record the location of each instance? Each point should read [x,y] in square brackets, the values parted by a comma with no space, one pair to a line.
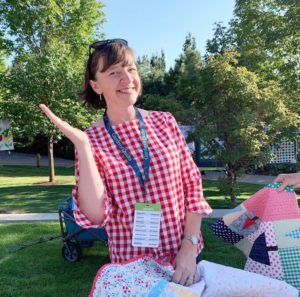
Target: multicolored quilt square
[266,227]
[290,258]
[246,224]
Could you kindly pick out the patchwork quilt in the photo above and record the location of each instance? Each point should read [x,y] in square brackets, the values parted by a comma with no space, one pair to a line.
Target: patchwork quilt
[266,228]
[145,276]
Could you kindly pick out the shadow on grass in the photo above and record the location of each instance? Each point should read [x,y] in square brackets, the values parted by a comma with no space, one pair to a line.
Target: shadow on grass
[218,251]
[41,270]
[216,198]
[26,199]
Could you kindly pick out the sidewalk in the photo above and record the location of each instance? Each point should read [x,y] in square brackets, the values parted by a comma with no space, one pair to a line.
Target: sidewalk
[245,178]
[30,159]
[28,217]
[46,217]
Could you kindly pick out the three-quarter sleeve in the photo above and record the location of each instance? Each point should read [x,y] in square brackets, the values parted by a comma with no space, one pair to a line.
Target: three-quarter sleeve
[80,218]
[191,177]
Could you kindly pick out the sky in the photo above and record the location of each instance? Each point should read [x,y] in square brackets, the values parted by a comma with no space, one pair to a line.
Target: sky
[150,26]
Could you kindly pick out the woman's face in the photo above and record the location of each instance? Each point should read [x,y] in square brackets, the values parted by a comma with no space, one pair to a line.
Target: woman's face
[119,84]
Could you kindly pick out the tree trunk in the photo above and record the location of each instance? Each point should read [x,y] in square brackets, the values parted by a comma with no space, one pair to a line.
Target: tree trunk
[51,160]
[231,176]
[38,160]
[197,151]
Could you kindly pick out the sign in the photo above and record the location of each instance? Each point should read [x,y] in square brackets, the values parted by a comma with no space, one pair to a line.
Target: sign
[6,139]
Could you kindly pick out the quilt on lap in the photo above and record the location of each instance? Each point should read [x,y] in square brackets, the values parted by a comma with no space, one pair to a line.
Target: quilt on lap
[266,228]
[144,276]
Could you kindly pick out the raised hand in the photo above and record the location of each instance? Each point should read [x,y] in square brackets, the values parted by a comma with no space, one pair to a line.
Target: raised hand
[78,137]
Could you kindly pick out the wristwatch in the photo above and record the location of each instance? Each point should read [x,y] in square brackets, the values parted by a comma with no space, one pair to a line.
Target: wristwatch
[194,239]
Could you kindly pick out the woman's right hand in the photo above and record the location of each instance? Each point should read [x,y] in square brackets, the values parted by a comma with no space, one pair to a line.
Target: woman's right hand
[78,137]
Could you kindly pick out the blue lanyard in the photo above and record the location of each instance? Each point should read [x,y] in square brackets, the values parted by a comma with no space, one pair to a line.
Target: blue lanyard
[124,151]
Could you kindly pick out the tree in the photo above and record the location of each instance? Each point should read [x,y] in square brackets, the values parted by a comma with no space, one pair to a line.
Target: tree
[221,41]
[152,72]
[189,73]
[2,65]
[174,73]
[238,116]
[2,73]
[157,74]
[267,34]
[49,40]
[183,78]
[143,65]
[176,90]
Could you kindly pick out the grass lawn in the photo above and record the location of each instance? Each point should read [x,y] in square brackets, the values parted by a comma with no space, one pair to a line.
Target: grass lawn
[41,271]
[217,200]
[24,189]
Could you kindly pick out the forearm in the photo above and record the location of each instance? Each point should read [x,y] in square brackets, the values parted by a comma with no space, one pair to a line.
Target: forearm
[192,227]
[90,186]
[185,260]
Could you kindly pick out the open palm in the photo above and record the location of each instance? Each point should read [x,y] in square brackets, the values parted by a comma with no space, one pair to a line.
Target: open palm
[77,136]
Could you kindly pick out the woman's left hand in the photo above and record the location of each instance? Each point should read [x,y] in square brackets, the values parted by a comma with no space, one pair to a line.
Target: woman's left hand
[185,265]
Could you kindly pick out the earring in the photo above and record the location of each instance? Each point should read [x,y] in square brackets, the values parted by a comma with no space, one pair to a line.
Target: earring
[100,97]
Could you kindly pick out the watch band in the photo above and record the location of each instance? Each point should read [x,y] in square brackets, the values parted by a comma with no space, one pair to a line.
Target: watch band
[194,239]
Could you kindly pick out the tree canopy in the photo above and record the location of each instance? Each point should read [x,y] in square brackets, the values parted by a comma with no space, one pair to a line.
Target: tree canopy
[237,116]
[267,34]
[49,41]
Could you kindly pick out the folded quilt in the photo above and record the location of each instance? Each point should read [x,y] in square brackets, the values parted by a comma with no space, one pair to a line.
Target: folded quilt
[266,228]
[226,281]
[145,276]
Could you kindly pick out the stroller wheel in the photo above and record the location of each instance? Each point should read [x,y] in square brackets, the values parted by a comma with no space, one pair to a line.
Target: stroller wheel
[85,243]
[71,252]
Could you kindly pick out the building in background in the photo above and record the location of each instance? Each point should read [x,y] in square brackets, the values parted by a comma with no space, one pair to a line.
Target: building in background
[283,153]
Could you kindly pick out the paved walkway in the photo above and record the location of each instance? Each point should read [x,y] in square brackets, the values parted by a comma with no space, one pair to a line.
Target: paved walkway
[246,178]
[44,217]
[28,217]
[30,159]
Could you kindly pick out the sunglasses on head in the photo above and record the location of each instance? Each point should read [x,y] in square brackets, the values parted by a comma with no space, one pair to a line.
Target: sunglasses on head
[103,43]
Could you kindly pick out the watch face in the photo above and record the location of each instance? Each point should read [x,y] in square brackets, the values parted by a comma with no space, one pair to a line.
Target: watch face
[193,239]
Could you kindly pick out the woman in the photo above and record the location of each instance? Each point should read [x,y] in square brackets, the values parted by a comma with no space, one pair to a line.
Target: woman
[134,172]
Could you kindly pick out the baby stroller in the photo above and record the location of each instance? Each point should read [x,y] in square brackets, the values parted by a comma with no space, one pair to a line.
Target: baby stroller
[73,236]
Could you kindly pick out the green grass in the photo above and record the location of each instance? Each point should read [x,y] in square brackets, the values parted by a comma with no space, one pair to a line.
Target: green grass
[218,200]
[24,189]
[216,250]
[41,271]
[28,175]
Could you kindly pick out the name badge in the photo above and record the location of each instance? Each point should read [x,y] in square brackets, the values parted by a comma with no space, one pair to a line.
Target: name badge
[146,225]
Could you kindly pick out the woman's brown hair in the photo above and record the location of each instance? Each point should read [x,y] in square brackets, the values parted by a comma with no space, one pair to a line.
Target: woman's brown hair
[111,54]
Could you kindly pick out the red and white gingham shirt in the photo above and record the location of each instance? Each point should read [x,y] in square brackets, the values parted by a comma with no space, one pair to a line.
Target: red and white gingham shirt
[174,182]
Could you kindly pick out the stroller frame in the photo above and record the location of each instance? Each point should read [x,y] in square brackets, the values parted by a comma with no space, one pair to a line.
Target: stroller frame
[75,237]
